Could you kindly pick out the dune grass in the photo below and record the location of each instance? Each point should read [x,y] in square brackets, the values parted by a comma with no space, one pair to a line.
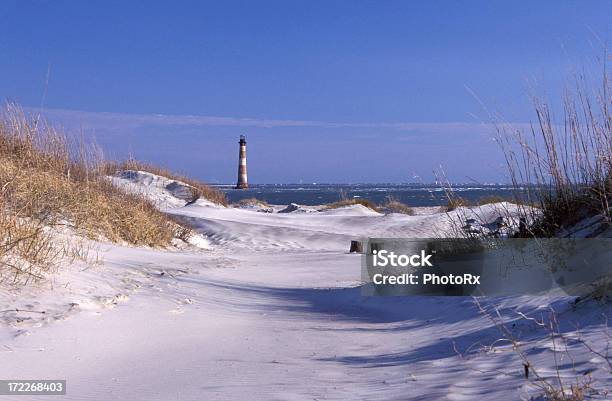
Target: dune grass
[487,200]
[454,201]
[569,161]
[251,202]
[48,183]
[560,171]
[200,190]
[393,205]
[354,201]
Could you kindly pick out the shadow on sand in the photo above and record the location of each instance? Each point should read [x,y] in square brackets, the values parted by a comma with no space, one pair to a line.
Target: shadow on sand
[471,330]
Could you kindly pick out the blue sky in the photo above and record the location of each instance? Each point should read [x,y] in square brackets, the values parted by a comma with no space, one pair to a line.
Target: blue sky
[326,91]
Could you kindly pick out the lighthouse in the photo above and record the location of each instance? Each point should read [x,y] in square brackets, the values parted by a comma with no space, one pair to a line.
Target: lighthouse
[242,169]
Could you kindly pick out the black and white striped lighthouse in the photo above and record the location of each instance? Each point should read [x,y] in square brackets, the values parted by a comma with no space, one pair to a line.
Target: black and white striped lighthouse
[242,169]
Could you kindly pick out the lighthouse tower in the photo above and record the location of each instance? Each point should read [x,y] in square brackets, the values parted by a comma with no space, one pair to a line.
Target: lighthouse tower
[242,169]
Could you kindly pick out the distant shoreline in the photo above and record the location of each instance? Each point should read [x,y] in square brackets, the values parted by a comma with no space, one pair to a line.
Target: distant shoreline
[413,195]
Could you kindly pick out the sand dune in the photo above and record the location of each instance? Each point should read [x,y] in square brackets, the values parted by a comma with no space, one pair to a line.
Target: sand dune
[272,311]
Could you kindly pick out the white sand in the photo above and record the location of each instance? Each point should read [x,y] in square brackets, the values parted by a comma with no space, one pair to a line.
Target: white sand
[271,312]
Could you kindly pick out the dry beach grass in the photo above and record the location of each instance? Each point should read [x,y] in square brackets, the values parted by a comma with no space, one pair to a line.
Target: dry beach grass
[393,205]
[200,190]
[251,202]
[48,183]
[354,201]
[569,161]
[390,205]
[562,176]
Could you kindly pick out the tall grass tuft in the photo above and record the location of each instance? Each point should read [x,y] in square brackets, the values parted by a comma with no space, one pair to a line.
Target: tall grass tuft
[570,161]
[346,201]
[48,183]
[393,205]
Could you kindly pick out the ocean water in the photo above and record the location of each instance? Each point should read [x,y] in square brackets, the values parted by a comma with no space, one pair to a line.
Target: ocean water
[317,194]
